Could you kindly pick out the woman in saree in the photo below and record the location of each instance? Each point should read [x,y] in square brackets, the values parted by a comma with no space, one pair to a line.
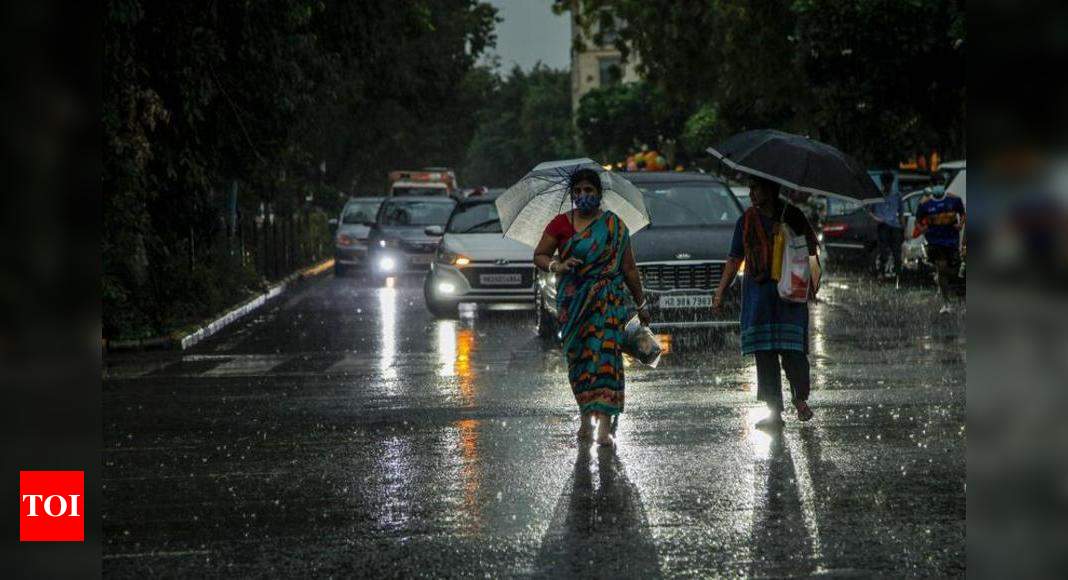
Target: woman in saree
[772,328]
[595,262]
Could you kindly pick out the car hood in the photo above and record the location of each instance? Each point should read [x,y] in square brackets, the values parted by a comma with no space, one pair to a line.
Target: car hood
[669,244]
[358,231]
[488,247]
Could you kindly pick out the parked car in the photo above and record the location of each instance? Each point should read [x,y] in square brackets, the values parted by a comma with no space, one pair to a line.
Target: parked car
[850,233]
[406,234]
[475,263]
[742,193]
[353,228]
[681,254]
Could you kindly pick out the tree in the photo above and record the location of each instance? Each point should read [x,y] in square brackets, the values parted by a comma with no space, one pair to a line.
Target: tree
[615,120]
[525,119]
[876,77]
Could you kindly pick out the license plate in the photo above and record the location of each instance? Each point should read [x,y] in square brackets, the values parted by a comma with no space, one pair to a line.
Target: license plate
[422,258]
[693,301]
[503,279]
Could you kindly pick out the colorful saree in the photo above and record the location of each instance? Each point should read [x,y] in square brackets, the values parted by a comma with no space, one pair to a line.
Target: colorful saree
[591,308]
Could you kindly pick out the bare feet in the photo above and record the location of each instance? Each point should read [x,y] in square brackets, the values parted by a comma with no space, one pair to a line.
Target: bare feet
[585,431]
[772,421]
[804,413]
[604,430]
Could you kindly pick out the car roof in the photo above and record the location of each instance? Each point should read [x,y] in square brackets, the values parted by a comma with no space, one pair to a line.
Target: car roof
[359,198]
[421,198]
[637,177]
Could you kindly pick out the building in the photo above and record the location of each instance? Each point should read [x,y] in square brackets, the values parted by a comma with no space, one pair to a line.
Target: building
[595,65]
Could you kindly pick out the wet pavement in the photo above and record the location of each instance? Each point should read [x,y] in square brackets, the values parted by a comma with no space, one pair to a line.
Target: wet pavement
[343,431]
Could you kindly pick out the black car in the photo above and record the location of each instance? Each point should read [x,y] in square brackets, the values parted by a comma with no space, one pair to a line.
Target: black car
[681,254]
[406,233]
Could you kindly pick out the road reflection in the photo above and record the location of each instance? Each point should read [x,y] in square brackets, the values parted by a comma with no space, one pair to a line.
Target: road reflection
[455,346]
[781,541]
[470,475]
[387,306]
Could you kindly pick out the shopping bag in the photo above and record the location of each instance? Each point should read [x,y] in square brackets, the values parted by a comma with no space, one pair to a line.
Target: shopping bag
[640,343]
[796,277]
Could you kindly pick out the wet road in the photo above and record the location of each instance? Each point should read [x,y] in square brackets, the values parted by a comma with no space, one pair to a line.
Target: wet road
[341,430]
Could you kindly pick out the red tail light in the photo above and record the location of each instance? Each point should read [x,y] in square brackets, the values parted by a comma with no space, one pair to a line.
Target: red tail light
[834,229]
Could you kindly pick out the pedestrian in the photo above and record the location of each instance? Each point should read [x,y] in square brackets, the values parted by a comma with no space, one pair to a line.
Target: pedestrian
[595,262]
[941,219]
[772,328]
[890,228]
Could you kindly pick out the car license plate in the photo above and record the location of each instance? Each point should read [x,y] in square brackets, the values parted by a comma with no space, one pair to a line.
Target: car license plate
[691,301]
[502,279]
[422,258]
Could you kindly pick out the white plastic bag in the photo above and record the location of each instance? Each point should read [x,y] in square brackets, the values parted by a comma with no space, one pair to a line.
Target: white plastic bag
[640,343]
[796,278]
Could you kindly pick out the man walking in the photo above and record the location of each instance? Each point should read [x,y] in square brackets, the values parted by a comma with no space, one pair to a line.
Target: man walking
[890,228]
[941,219]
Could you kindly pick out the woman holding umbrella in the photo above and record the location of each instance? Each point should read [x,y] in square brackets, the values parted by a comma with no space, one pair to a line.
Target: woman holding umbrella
[595,263]
[774,329]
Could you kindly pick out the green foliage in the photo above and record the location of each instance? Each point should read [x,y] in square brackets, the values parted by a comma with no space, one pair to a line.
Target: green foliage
[201,95]
[702,130]
[879,78]
[618,119]
[525,119]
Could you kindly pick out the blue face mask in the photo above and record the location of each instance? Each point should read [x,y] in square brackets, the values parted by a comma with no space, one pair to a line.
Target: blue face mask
[587,203]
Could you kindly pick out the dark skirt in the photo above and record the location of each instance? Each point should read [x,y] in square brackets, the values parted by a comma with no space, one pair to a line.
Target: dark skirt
[769,322]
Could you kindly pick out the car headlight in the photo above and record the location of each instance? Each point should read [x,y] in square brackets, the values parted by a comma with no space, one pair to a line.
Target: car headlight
[387,243]
[345,241]
[452,258]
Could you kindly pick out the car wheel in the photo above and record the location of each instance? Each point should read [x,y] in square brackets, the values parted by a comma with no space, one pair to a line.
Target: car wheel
[340,270]
[546,324]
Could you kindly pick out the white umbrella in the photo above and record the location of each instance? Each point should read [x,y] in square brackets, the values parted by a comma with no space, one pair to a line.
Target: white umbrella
[529,205]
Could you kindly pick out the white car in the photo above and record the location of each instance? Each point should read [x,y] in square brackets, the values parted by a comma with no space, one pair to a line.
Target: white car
[353,227]
[475,263]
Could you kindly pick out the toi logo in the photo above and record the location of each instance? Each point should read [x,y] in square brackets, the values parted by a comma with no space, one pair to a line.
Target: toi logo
[52,506]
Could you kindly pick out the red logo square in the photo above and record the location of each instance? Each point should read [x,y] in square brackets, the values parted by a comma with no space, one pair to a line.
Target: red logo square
[51,506]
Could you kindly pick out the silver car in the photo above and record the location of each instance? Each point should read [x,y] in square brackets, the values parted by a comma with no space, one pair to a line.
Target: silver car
[353,228]
[475,263]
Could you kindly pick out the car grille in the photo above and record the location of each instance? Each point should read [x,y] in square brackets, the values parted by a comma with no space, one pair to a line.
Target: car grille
[681,276]
[419,247]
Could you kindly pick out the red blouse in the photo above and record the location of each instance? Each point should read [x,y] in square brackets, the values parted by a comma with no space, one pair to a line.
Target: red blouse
[560,228]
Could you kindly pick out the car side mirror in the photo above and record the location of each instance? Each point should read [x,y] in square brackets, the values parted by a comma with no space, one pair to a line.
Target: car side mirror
[333,222]
[434,231]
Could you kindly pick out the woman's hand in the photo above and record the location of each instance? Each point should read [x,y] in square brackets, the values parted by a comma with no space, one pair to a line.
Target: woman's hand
[717,302]
[644,317]
[567,265]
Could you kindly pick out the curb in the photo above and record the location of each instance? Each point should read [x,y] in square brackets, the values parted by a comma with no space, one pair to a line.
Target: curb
[184,339]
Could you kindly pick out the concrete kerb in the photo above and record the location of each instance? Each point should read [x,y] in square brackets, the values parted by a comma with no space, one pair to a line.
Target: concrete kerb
[185,339]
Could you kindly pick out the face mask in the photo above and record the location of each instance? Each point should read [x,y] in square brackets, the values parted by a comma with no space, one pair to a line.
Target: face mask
[587,203]
[938,194]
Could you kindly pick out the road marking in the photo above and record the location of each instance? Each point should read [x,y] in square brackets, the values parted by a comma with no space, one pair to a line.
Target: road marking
[175,554]
[246,365]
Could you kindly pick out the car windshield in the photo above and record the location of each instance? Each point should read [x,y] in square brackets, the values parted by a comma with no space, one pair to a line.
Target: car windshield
[360,212]
[416,213]
[689,204]
[412,191]
[479,218]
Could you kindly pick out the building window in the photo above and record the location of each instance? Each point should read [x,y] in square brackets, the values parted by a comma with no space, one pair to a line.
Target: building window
[611,70]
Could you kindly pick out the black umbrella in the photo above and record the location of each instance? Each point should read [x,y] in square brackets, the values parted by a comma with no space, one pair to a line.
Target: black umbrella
[799,163]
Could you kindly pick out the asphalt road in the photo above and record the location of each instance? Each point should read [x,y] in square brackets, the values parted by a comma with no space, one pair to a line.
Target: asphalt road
[343,431]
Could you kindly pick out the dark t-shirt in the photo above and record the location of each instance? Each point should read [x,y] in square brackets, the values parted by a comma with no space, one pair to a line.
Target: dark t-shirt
[941,216]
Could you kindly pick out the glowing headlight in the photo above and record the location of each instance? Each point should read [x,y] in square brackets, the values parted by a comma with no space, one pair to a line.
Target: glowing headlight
[452,258]
[446,288]
[387,243]
[386,264]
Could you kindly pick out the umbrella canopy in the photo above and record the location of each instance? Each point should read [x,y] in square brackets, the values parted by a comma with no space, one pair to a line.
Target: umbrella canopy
[529,205]
[799,163]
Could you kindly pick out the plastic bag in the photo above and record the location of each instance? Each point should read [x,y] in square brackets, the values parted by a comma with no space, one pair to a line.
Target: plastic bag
[640,343]
[796,278]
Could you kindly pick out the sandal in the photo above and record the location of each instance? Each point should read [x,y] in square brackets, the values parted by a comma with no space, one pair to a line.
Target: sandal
[804,413]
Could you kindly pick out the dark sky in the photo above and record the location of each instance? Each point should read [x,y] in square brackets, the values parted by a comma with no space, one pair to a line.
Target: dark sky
[531,32]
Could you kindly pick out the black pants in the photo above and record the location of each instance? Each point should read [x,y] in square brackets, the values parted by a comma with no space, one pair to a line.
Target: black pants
[769,376]
[890,240]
